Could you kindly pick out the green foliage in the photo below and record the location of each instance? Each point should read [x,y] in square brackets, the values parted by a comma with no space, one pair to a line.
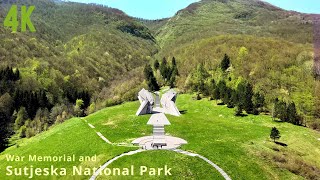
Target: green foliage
[275,134]
[245,94]
[212,18]
[92,108]
[225,63]
[150,78]
[164,69]
[22,116]
[59,113]
[78,111]
[136,29]
[101,53]
[197,79]
[156,64]
[60,64]
[240,138]
[22,133]
[258,100]
[251,32]
[286,112]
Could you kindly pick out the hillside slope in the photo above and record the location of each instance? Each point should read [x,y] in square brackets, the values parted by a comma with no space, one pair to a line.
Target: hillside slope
[86,45]
[268,46]
[254,17]
[239,145]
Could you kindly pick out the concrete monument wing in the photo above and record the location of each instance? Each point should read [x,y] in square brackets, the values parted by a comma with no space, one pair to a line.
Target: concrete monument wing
[168,103]
[158,120]
[146,102]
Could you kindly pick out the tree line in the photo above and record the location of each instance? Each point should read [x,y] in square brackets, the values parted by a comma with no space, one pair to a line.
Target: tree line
[241,96]
[167,74]
[27,113]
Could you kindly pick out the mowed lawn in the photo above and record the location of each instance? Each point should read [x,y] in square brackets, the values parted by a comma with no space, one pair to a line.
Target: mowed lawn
[73,137]
[239,145]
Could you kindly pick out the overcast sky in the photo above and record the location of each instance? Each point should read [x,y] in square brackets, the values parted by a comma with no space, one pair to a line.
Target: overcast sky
[156,9]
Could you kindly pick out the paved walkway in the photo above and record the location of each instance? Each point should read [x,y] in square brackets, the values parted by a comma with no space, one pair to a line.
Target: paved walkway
[94,176]
[221,171]
[97,173]
[104,138]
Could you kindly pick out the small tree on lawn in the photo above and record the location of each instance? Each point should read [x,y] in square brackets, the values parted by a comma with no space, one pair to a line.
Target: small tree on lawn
[275,134]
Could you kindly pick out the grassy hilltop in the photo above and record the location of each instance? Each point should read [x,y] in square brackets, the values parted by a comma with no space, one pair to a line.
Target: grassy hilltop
[98,53]
[239,145]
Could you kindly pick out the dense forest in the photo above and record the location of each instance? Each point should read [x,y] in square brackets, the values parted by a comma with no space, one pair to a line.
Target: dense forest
[269,50]
[71,66]
[246,55]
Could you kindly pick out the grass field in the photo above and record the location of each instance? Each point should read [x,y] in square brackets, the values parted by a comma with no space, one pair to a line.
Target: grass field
[239,145]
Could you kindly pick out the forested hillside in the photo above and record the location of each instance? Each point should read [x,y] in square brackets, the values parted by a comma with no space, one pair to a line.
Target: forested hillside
[268,47]
[79,52]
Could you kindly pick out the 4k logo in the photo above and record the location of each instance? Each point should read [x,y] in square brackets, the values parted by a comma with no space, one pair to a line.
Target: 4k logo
[11,21]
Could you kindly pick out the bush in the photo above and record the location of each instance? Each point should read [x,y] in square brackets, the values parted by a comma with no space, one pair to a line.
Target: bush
[92,108]
[112,102]
[237,111]
[22,133]
[30,132]
[315,125]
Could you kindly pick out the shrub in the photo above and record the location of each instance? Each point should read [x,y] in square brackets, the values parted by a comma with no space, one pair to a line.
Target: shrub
[22,133]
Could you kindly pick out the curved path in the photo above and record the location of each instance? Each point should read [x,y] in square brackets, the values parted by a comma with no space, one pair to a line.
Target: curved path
[97,173]
[221,171]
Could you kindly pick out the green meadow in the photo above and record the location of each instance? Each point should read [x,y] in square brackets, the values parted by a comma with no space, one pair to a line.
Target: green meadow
[239,145]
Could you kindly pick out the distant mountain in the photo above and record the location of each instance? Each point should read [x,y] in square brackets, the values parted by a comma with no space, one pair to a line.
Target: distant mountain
[250,17]
[85,45]
[277,45]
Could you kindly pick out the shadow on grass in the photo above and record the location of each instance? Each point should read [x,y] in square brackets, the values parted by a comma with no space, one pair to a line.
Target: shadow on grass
[278,121]
[242,115]
[281,144]
[184,111]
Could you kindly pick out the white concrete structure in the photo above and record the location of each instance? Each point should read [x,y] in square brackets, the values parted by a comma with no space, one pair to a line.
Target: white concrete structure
[146,102]
[159,140]
[146,142]
[158,121]
[168,103]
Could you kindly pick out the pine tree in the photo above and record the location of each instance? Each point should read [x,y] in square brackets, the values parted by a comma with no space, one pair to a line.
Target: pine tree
[156,64]
[174,68]
[163,68]
[292,114]
[172,81]
[248,107]
[222,88]
[227,96]
[225,63]
[151,80]
[275,134]
[282,111]
[259,102]
[245,94]
[4,133]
